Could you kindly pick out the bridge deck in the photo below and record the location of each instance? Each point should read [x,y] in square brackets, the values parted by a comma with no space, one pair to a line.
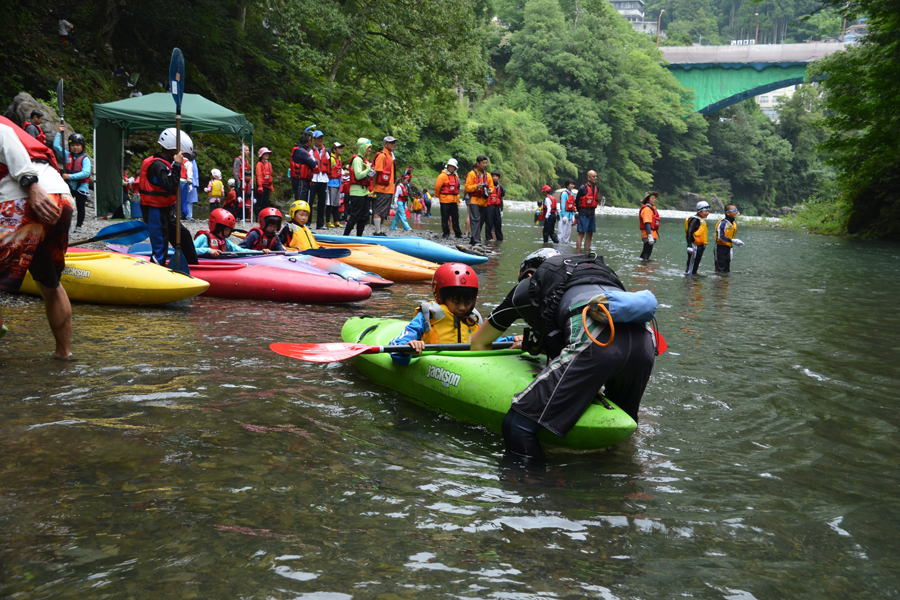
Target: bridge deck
[736,57]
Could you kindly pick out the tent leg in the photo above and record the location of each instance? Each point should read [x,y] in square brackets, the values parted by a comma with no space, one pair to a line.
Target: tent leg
[243,185]
[94,169]
[252,173]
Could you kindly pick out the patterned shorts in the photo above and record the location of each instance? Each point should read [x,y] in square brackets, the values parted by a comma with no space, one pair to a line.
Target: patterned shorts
[29,244]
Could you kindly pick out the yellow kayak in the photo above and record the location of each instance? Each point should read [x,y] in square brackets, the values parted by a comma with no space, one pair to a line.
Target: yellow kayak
[104,278]
[386,262]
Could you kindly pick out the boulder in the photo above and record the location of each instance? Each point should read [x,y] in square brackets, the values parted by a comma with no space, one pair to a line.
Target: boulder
[20,110]
[716,203]
[688,201]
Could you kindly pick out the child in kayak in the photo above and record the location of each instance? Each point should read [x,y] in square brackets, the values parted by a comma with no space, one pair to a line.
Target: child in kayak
[265,235]
[451,318]
[296,234]
[214,242]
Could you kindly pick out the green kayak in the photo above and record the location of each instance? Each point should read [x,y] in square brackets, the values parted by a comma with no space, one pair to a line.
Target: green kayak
[476,387]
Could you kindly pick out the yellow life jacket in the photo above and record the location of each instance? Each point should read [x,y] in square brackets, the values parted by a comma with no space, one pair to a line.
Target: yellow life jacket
[701,236]
[445,327]
[730,232]
[301,238]
[216,189]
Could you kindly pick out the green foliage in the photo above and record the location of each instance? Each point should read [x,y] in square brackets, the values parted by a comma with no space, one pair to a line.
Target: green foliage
[823,215]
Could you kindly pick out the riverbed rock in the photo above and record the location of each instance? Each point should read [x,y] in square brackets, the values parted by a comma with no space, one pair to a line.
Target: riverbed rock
[716,203]
[20,110]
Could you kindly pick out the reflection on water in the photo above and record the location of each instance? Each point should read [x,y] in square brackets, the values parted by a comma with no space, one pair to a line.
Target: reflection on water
[178,457]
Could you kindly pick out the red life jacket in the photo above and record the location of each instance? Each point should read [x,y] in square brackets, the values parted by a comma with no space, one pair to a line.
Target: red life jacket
[36,150]
[245,166]
[295,167]
[552,207]
[654,220]
[40,136]
[263,242]
[494,199]
[74,164]
[451,188]
[321,156]
[152,194]
[266,177]
[404,192]
[480,192]
[215,243]
[570,201]
[385,177]
[591,199]
[336,169]
[365,181]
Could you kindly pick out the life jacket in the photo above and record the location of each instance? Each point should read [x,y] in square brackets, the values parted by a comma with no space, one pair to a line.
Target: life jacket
[152,194]
[41,137]
[215,242]
[546,287]
[552,207]
[404,192]
[701,236]
[231,198]
[36,150]
[730,232]
[265,177]
[298,237]
[443,327]
[245,166]
[365,181]
[386,176]
[417,204]
[295,167]
[591,198]
[321,156]
[336,168]
[451,188]
[216,189]
[654,220]
[494,199]
[480,193]
[263,242]
[570,200]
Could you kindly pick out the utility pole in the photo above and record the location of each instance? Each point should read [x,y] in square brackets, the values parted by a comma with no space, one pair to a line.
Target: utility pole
[658,21]
[756,37]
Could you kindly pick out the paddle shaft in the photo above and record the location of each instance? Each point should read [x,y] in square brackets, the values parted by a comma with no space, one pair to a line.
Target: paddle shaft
[405,349]
[177,83]
[123,230]
[59,105]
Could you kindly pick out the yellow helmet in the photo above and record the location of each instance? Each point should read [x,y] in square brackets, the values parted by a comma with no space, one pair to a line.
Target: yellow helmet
[299,205]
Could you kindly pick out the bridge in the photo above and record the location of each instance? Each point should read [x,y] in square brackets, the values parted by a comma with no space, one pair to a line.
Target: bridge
[724,75]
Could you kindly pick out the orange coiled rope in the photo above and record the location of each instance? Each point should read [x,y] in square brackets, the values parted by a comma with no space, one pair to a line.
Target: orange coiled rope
[612,329]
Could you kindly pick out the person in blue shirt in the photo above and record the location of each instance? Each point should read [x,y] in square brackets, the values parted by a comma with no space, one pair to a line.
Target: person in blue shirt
[567,211]
[78,170]
[214,242]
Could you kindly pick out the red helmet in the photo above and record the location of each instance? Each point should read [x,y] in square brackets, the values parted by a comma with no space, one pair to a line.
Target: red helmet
[453,275]
[546,189]
[220,216]
[268,212]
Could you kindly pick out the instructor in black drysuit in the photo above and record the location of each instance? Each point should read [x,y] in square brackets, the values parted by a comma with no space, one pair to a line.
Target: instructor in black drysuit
[578,367]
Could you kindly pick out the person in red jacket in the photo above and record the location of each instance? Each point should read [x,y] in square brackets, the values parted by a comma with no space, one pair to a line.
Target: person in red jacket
[265,179]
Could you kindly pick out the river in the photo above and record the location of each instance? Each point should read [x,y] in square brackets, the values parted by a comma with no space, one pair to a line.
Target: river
[177,457]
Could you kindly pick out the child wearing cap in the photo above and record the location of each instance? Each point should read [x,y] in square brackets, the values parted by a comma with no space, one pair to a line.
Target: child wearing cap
[215,189]
[335,179]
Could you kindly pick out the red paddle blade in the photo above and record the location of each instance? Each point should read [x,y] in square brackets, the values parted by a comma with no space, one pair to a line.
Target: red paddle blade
[322,353]
[663,346]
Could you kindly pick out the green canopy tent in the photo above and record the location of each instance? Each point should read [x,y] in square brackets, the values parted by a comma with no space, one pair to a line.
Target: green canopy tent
[114,121]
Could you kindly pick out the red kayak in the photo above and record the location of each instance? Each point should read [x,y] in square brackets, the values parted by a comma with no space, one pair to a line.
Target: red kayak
[258,282]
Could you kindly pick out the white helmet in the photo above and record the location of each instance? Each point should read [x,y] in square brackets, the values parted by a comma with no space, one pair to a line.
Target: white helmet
[167,140]
[702,205]
[231,182]
[216,173]
[452,163]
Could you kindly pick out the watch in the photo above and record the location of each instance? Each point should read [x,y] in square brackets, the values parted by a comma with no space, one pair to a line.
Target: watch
[26,181]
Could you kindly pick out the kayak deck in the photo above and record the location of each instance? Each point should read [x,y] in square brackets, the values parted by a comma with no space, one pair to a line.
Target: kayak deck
[476,387]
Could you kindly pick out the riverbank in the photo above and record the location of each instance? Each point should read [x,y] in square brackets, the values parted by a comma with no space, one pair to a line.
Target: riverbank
[664,213]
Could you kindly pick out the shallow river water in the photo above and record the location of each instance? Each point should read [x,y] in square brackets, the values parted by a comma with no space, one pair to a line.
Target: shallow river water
[177,457]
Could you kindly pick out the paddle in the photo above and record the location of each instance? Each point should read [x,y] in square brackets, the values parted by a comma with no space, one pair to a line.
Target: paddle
[317,252]
[663,346]
[324,353]
[176,80]
[59,106]
[128,232]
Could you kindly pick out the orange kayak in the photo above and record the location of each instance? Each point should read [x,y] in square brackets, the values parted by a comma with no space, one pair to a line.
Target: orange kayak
[386,262]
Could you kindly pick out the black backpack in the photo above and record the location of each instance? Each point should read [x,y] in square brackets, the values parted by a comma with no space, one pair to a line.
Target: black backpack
[553,278]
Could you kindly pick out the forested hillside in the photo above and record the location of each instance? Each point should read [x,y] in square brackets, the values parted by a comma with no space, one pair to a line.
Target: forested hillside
[550,89]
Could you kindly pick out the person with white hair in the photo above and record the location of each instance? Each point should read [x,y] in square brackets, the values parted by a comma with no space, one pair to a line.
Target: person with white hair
[159,181]
[446,188]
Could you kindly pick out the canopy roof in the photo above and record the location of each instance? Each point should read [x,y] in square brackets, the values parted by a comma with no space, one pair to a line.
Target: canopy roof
[157,112]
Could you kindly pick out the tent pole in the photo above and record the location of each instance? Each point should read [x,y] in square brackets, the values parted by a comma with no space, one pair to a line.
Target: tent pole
[252,172]
[94,168]
[243,185]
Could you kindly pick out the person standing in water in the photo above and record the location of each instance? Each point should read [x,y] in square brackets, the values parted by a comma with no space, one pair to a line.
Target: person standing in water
[726,229]
[696,236]
[649,220]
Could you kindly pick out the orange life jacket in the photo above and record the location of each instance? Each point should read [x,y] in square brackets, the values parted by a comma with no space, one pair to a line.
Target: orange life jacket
[265,176]
[385,177]
[654,220]
[451,188]
[36,150]
[152,194]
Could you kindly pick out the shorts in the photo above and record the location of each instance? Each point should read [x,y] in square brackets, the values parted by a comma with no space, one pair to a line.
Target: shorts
[382,204]
[586,224]
[28,244]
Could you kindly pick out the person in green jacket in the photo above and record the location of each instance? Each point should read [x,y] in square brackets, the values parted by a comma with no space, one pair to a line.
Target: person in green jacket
[361,174]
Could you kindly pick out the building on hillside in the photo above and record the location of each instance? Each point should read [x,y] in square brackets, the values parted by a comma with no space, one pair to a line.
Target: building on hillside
[633,11]
[768,103]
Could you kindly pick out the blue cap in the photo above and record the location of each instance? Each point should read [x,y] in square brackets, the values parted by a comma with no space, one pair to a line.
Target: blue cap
[318,133]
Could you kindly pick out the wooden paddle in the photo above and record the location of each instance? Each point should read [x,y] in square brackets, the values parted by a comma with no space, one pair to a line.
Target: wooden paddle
[129,232]
[176,80]
[324,353]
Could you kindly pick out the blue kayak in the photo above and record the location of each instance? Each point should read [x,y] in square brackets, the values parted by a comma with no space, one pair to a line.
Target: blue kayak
[411,246]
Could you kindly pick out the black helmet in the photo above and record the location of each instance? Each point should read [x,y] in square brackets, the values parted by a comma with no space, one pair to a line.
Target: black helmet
[76,138]
[535,260]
